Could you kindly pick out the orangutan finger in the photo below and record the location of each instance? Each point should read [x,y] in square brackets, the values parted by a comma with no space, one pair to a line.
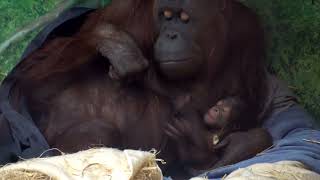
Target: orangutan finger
[174,131]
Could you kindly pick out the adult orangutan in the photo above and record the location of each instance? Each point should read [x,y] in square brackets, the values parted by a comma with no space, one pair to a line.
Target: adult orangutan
[160,50]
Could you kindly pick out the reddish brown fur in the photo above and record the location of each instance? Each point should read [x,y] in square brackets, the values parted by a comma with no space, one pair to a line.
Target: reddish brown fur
[76,105]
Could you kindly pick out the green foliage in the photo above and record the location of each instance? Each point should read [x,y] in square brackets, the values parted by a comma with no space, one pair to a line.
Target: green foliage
[23,16]
[14,15]
[292,28]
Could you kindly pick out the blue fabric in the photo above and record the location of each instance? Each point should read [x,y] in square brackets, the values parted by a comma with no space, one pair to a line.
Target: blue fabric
[19,137]
[291,131]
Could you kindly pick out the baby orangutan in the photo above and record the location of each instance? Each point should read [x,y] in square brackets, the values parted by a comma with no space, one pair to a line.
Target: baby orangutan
[215,140]
[224,115]
[239,145]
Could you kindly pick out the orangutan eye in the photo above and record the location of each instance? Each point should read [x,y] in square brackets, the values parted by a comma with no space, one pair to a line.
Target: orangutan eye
[184,17]
[168,14]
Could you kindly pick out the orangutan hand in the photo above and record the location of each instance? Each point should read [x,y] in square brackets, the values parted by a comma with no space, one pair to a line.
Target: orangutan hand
[122,51]
[192,139]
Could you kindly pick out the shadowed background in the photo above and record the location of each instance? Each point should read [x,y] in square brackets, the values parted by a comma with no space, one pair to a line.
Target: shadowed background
[292,28]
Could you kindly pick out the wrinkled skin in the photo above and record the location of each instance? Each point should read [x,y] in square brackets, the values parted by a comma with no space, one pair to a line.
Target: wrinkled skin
[114,84]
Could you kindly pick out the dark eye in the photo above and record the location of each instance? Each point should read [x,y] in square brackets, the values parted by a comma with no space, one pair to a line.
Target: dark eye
[184,17]
[168,14]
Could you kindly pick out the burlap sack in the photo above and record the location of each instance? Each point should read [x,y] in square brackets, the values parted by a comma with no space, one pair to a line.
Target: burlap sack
[102,163]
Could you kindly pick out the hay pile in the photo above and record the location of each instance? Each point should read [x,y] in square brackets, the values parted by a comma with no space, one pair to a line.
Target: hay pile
[102,163]
[283,170]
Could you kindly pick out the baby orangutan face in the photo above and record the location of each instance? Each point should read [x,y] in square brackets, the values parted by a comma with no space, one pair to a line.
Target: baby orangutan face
[218,115]
[224,113]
